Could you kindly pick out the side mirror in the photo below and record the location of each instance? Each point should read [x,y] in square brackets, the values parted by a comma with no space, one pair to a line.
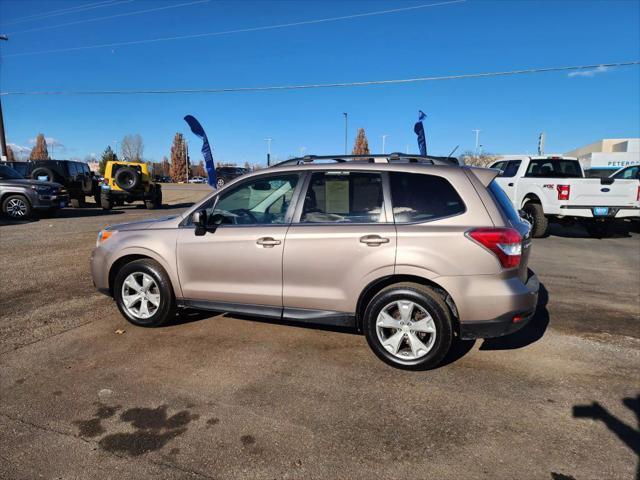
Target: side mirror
[199,219]
[205,223]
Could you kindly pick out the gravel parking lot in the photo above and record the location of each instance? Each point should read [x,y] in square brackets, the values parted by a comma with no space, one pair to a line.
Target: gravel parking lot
[221,397]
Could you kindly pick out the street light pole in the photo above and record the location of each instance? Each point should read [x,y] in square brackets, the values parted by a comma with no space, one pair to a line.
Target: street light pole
[346,130]
[3,140]
[268,140]
[477,139]
[384,142]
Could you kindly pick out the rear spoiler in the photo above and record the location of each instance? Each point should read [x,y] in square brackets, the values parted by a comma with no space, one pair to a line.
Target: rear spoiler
[485,175]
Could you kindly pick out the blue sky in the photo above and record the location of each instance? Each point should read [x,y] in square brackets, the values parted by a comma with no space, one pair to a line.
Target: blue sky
[466,37]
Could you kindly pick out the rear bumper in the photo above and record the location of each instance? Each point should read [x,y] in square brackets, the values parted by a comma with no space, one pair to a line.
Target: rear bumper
[523,307]
[586,211]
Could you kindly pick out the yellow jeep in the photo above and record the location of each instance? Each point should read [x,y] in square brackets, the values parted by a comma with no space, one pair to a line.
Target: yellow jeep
[129,182]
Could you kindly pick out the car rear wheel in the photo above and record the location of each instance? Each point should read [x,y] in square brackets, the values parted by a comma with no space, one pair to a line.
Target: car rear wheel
[220,183]
[143,293]
[16,207]
[408,326]
[77,202]
[535,215]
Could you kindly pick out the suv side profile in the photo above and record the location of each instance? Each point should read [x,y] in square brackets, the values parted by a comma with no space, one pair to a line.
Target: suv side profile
[411,251]
[75,176]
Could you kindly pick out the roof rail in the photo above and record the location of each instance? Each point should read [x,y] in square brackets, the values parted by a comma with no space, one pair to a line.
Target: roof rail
[371,158]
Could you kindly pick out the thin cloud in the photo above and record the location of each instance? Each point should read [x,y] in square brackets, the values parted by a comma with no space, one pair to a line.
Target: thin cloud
[18,148]
[589,73]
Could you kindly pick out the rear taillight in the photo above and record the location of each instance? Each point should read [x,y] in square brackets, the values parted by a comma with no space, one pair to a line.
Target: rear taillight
[504,243]
[563,192]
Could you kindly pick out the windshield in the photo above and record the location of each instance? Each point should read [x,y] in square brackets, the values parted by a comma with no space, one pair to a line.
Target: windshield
[9,173]
[552,168]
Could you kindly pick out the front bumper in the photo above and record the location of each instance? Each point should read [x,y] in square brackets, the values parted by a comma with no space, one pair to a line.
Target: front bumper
[509,322]
[46,202]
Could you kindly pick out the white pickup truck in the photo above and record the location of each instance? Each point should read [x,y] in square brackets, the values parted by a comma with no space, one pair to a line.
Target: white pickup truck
[555,187]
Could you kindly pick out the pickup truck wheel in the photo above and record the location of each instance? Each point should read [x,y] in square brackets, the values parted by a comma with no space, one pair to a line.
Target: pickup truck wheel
[408,326]
[540,223]
[16,207]
[143,293]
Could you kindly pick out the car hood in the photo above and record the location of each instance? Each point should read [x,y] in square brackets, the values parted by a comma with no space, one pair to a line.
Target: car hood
[163,222]
[27,182]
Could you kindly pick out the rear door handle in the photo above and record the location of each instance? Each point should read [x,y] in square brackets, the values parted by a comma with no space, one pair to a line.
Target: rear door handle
[373,240]
[511,184]
[268,242]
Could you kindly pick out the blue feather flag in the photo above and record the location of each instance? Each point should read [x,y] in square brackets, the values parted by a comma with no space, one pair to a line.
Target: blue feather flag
[418,129]
[198,131]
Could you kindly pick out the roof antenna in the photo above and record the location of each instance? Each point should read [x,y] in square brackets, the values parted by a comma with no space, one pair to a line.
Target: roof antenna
[453,151]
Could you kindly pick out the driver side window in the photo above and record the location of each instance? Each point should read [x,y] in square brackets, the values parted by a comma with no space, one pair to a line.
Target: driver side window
[259,201]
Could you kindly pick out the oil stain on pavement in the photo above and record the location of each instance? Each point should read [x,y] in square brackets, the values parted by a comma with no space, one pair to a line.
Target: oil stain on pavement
[153,428]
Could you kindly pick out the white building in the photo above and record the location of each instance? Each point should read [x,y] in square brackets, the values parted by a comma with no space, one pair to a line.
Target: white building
[608,154]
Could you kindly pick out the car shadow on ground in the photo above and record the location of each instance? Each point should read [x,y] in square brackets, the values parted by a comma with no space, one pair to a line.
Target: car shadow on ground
[530,333]
[628,434]
[619,229]
[65,213]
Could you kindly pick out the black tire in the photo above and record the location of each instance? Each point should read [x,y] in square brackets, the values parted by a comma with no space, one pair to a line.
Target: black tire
[16,207]
[428,299]
[128,179]
[105,202]
[158,198]
[97,197]
[539,223]
[598,229]
[167,307]
[43,172]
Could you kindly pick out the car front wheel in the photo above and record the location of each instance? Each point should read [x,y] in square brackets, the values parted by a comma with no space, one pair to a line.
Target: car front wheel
[408,326]
[143,293]
[17,207]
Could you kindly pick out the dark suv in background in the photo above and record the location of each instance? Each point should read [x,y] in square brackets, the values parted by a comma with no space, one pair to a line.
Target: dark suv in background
[225,174]
[20,196]
[76,177]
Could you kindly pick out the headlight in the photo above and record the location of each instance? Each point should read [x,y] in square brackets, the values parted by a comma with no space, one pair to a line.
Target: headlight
[41,188]
[103,236]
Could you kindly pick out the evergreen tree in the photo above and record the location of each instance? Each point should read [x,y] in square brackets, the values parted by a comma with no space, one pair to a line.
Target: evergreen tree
[179,159]
[39,151]
[361,147]
[107,156]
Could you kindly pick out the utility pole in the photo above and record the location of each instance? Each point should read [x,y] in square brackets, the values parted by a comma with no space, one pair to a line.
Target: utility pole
[268,140]
[384,141]
[3,140]
[186,147]
[477,139]
[346,130]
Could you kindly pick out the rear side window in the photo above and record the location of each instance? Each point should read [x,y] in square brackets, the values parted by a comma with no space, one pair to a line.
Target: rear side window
[419,198]
[504,203]
[512,168]
[343,197]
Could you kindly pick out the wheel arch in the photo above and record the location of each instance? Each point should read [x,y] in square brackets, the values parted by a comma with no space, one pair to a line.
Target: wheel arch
[141,255]
[531,197]
[375,286]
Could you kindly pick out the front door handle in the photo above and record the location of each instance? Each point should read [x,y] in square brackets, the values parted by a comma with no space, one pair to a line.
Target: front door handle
[268,242]
[511,184]
[373,240]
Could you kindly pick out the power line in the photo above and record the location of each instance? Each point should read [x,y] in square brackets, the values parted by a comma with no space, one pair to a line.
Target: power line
[240,30]
[324,85]
[65,11]
[97,19]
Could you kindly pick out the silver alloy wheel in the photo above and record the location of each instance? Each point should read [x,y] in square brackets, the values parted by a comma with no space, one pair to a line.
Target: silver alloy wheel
[140,295]
[220,182]
[16,207]
[406,330]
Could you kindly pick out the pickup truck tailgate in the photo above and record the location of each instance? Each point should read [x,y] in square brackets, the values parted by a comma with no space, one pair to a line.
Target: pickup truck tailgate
[594,192]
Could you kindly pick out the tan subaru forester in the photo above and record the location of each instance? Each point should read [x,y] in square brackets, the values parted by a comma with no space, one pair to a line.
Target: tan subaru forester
[410,250]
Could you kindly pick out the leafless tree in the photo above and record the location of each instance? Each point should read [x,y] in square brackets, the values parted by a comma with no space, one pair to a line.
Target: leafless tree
[480,160]
[132,147]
